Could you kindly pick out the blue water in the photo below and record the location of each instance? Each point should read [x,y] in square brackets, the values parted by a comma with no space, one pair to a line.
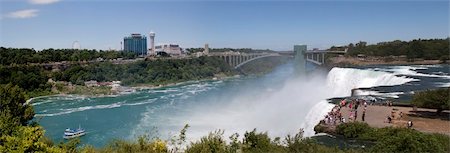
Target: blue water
[276,102]
[117,117]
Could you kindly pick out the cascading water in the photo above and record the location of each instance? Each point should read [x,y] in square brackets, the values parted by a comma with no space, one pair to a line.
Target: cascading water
[296,104]
[276,103]
[343,80]
[340,82]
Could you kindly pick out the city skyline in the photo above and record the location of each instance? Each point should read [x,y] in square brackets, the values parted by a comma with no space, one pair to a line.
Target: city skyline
[102,25]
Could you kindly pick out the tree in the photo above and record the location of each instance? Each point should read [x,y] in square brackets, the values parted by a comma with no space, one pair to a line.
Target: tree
[13,108]
[352,130]
[256,142]
[419,48]
[434,99]
[27,139]
[15,133]
[214,142]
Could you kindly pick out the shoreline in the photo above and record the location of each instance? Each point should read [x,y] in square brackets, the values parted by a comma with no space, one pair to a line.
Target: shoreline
[135,89]
[151,86]
[354,61]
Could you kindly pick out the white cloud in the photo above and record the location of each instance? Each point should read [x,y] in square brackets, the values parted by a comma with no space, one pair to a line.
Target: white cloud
[43,1]
[21,14]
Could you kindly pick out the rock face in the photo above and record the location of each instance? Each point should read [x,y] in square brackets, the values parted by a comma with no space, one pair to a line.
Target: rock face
[324,128]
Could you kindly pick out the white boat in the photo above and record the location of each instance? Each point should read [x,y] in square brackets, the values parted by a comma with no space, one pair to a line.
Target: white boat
[71,133]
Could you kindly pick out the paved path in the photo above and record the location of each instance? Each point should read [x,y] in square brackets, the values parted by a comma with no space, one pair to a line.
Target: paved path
[376,116]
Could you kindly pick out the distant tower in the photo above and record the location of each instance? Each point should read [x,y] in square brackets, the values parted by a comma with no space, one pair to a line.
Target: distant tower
[206,51]
[76,45]
[152,41]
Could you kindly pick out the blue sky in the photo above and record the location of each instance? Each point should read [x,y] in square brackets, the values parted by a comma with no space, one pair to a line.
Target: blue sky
[102,24]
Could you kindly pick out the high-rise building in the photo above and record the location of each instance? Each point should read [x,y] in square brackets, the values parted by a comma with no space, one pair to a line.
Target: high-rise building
[136,43]
[152,43]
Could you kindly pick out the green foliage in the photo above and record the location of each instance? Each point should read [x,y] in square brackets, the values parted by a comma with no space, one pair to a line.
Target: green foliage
[254,141]
[391,139]
[160,71]
[121,146]
[16,135]
[442,141]
[296,143]
[320,128]
[33,79]
[26,139]
[309,145]
[353,130]
[235,143]
[23,55]
[434,99]
[14,110]
[70,146]
[420,48]
[213,143]
[407,140]
[178,142]
[258,142]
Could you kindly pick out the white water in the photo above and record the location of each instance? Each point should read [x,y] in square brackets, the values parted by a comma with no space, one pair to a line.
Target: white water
[342,80]
[275,103]
[377,93]
[410,71]
[298,104]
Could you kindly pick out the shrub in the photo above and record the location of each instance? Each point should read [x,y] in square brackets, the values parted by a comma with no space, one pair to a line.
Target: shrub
[213,143]
[353,130]
[258,142]
[408,141]
[434,99]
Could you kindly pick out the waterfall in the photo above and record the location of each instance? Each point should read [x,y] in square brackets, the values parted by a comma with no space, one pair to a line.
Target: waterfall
[340,82]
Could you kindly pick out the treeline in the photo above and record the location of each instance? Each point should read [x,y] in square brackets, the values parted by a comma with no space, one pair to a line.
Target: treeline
[419,48]
[24,55]
[34,79]
[158,71]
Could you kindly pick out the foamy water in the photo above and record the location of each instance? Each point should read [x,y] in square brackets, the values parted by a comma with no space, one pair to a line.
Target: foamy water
[277,103]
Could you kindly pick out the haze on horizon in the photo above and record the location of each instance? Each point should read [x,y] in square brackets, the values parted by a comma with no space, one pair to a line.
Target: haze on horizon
[273,25]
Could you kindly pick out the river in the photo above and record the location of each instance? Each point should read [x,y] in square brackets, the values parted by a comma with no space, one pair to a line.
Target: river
[278,103]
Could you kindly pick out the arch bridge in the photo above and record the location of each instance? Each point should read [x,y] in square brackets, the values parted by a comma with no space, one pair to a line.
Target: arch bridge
[238,59]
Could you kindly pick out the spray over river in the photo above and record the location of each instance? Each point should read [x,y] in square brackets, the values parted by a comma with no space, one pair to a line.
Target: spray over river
[278,103]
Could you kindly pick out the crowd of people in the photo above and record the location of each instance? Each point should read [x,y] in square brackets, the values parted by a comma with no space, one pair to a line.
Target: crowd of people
[335,116]
[353,105]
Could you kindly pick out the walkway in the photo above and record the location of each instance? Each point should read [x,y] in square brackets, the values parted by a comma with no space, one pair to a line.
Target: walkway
[376,116]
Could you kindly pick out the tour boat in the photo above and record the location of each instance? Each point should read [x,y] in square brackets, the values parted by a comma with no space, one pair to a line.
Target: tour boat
[71,133]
